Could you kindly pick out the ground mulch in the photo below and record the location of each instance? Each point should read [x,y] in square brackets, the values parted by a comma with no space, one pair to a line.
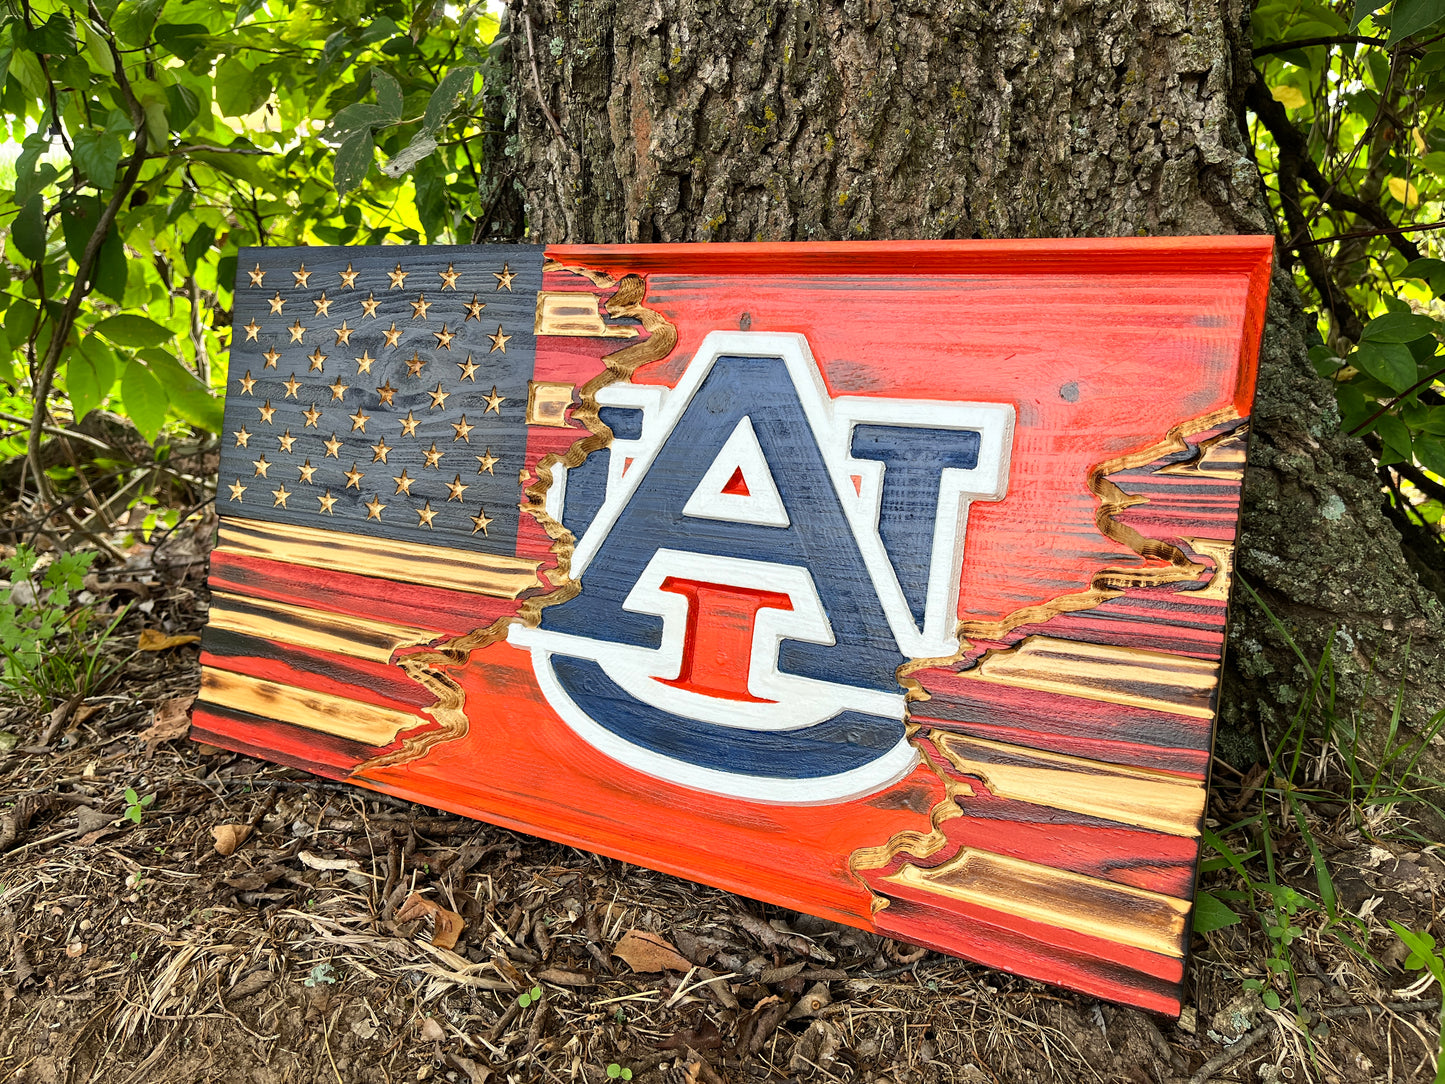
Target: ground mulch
[135,950]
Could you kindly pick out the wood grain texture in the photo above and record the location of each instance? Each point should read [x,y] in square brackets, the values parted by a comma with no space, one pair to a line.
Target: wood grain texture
[1047,819]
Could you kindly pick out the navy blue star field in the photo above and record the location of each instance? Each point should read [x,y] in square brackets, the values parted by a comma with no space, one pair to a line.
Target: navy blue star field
[382,391]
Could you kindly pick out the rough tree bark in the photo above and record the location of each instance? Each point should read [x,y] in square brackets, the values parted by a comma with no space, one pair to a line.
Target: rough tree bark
[729,120]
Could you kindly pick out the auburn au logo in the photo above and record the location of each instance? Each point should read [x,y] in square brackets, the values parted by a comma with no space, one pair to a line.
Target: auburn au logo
[757,559]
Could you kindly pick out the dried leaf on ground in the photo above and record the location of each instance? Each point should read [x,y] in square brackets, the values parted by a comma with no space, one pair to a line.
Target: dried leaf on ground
[645,951]
[431,1031]
[172,720]
[228,837]
[705,1036]
[567,978]
[315,861]
[448,924]
[156,640]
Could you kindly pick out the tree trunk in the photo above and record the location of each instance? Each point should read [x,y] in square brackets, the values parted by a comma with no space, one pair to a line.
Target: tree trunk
[703,120]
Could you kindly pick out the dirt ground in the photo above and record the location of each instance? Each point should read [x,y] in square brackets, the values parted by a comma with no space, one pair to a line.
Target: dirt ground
[135,951]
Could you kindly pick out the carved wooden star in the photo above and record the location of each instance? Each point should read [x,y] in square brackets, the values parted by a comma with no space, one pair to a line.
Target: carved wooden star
[415,364]
[363,363]
[326,503]
[474,309]
[312,416]
[456,488]
[247,383]
[258,277]
[463,430]
[291,384]
[398,278]
[468,368]
[343,334]
[348,278]
[317,360]
[236,490]
[280,493]
[323,304]
[261,465]
[392,335]
[380,450]
[267,410]
[338,389]
[252,329]
[286,440]
[373,509]
[409,424]
[419,307]
[272,355]
[444,338]
[432,456]
[301,276]
[505,277]
[296,331]
[359,420]
[332,446]
[499,341]
[277,303]
[403,483]
[385,393]
[306,470]
[242,436]
[495,401]
[424,516]
[480,521]
[370,305]
[449,278]
[353,478]
[438,397]
[486,463]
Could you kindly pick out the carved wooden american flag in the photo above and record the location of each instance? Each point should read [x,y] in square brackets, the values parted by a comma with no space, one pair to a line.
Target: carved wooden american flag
[887,582]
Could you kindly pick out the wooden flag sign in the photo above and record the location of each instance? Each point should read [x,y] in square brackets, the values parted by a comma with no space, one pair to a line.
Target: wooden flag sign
[882,581]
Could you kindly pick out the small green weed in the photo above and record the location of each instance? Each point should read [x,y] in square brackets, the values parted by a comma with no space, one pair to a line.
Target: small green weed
[1423,957]
[617,1072]
[530,997]
[135,805]
[321,974]
[51,650]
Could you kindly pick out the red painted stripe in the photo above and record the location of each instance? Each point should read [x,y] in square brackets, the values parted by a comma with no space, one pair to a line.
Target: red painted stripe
[1190,762]
[276,670]
[452,613]
[355,678]
[278,742]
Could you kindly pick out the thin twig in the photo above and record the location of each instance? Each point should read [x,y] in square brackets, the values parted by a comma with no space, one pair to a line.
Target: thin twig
[536,78]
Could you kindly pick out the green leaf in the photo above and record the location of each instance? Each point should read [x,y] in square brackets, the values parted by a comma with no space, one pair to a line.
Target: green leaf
[1430,451]
[189,398]
[1210,913]
[144,398]
[1395,435]
[239,91]
[129,329]
[199,245]
[98,155]
[443,100]
[89,376]
[388,95]
[133,21]
[29,229]
[1363,8]
[55,38]
[353,159]
[1390,363]
[182,106]
[1398,327]
[1431,270]
[1409,17]
[185,40]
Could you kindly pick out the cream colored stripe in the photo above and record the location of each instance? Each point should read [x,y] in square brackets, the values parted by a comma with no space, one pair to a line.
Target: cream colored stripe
[1116,675]
[337,715]
[1055,897]
[319,629]
[407,562]
[1135,796]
